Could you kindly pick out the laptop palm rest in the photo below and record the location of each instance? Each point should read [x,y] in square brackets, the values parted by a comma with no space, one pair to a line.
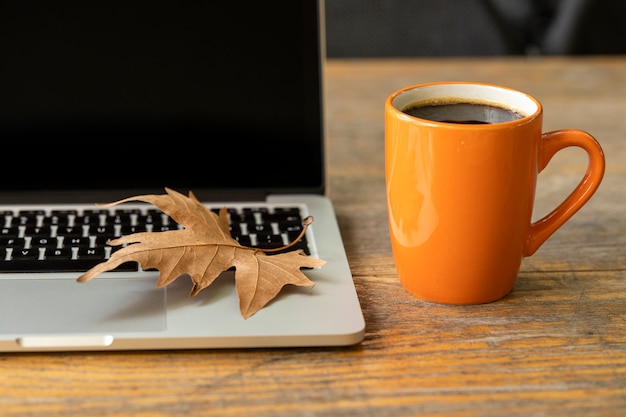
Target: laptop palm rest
[48,306]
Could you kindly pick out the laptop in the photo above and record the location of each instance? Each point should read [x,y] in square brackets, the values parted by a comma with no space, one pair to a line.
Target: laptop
[101,101]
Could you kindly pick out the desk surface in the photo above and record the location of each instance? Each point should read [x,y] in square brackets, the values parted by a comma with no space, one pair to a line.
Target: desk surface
[556,346]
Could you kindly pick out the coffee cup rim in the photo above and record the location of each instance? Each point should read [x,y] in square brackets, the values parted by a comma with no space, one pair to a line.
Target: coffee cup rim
[463,91]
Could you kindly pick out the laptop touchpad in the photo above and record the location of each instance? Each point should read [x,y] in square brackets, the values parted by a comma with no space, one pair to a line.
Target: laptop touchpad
[65,306]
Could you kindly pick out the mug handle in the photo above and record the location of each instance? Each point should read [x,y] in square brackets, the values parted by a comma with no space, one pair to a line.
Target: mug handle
[550,144]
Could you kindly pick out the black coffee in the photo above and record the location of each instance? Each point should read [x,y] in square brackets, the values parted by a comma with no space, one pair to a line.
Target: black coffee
[463,113]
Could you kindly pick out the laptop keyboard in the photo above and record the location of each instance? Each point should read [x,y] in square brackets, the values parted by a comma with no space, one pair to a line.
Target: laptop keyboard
[74,240]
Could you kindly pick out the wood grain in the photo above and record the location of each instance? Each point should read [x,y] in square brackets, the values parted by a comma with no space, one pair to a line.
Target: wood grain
[556,346]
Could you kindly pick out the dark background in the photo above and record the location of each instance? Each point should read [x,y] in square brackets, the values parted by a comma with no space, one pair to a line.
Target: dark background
[386,28]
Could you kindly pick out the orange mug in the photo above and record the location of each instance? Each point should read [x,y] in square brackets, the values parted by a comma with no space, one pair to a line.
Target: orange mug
[461,166]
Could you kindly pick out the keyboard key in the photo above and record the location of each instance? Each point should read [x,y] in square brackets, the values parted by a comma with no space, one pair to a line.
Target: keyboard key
[54,265]
[69,231]
[12,231]
[12,242]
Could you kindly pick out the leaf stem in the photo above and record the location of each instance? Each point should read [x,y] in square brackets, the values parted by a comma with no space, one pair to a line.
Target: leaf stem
[305,224]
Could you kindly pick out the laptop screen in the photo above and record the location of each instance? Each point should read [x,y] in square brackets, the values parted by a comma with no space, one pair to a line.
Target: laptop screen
[137,95]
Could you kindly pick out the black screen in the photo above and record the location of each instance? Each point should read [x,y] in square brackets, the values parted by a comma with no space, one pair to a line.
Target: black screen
[139,95]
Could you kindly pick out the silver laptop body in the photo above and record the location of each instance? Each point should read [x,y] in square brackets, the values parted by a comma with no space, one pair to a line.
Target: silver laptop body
[103,101]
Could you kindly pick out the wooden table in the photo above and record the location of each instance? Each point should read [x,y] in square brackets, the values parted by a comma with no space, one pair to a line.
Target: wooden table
[556,346]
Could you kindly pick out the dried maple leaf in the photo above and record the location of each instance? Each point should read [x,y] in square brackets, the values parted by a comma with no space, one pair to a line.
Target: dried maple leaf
[204,249]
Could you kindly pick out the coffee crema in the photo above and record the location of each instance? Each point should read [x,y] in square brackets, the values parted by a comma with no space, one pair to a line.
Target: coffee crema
[462,113]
